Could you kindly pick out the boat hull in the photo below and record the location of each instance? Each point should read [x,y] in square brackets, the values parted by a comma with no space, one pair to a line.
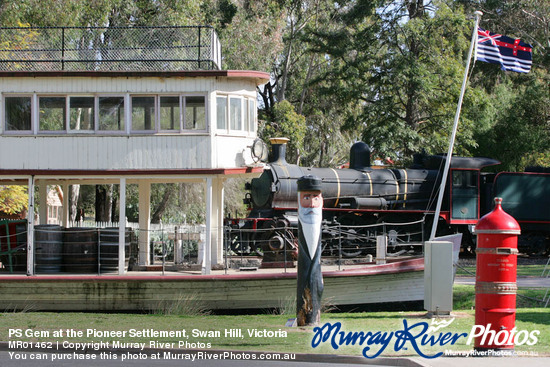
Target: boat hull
[401,281]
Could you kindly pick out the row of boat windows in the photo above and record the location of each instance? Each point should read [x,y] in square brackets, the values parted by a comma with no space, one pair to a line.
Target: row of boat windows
[157,113]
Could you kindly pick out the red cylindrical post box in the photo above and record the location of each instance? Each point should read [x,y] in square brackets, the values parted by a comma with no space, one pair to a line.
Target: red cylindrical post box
[496,275]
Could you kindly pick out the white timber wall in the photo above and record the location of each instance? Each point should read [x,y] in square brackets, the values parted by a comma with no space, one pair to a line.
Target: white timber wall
[105,152]
[209,149]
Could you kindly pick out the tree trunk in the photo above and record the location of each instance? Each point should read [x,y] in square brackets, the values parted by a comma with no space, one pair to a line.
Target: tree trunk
[161,208]
[75,193]
[103,202]
[269,100]
[284,77]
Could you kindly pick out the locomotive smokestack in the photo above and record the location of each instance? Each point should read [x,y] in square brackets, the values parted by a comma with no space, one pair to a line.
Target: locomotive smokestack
[278,150]
[359,156]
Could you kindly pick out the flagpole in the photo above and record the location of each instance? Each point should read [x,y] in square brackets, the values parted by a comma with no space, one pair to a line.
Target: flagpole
[478,15]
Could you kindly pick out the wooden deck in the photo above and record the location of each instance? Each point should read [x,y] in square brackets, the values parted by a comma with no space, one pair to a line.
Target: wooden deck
[398,281]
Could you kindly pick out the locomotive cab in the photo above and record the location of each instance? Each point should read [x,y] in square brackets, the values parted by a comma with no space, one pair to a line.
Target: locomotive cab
[463,190]
[464,206]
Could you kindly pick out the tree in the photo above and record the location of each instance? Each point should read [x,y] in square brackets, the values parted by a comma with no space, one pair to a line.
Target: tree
[297,77]
[13,199]
[517,126]
[252,40]
[287,123]
[103,203]
[401,64]
[162,204]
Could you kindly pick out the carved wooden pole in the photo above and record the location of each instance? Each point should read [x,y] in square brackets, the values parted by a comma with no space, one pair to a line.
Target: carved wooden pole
[310,278]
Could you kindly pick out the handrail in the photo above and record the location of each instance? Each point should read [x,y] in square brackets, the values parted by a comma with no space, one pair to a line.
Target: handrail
[140,48]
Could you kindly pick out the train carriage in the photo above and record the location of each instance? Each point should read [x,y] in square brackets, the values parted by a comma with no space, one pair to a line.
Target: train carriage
[526,197]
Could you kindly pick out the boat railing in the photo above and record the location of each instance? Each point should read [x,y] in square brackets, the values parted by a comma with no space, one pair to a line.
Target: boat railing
[275,241]
[95,250]
[84,249]
[144,48]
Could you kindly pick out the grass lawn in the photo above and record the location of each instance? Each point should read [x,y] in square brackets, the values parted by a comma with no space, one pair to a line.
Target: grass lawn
[297,340]
[534,270]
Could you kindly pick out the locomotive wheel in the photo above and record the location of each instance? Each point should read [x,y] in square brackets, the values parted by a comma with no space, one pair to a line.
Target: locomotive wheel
[400,234]
[256,244]
[356,241]
[350,249]
[239,244]
[277,237]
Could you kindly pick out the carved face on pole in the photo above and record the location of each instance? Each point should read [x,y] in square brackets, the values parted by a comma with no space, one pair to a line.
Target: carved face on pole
[310,212]
[309,287]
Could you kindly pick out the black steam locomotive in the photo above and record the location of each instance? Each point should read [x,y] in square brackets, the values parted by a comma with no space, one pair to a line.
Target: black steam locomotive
[362,202]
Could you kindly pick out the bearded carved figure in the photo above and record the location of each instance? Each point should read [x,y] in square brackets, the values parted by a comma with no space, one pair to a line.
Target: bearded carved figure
[310,278]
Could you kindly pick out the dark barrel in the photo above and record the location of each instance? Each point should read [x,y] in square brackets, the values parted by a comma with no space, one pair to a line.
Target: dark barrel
[80,250]
[48,248]
[108,249]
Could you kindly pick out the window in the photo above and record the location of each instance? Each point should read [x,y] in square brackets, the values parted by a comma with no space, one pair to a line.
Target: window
[195,113]
[111,113]
[170,113]
[250,120]
[464,195]
[81,113]
[221,108]
[235,114]
[18,113]
[52,113]
[143,113]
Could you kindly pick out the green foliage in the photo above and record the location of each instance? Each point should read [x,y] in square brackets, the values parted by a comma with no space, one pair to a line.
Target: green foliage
[520,135]
[102,12]
[535,159]
[515,127]
[401,66]
[21,39]
[233,197]
[187,203]
[253,39]
[388,72]
[13,199]
[287,124]
[398,66]
[170,203]
[464,297]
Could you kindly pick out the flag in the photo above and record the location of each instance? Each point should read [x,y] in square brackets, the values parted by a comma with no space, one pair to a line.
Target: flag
[511,54]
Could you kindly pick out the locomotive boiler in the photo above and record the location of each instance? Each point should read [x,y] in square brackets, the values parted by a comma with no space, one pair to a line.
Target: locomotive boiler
[360,202]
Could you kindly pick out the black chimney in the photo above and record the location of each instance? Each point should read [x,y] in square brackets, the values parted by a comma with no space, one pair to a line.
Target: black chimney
[278,150]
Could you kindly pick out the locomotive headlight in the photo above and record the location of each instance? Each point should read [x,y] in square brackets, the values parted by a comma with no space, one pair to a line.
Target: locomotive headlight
[259,150]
